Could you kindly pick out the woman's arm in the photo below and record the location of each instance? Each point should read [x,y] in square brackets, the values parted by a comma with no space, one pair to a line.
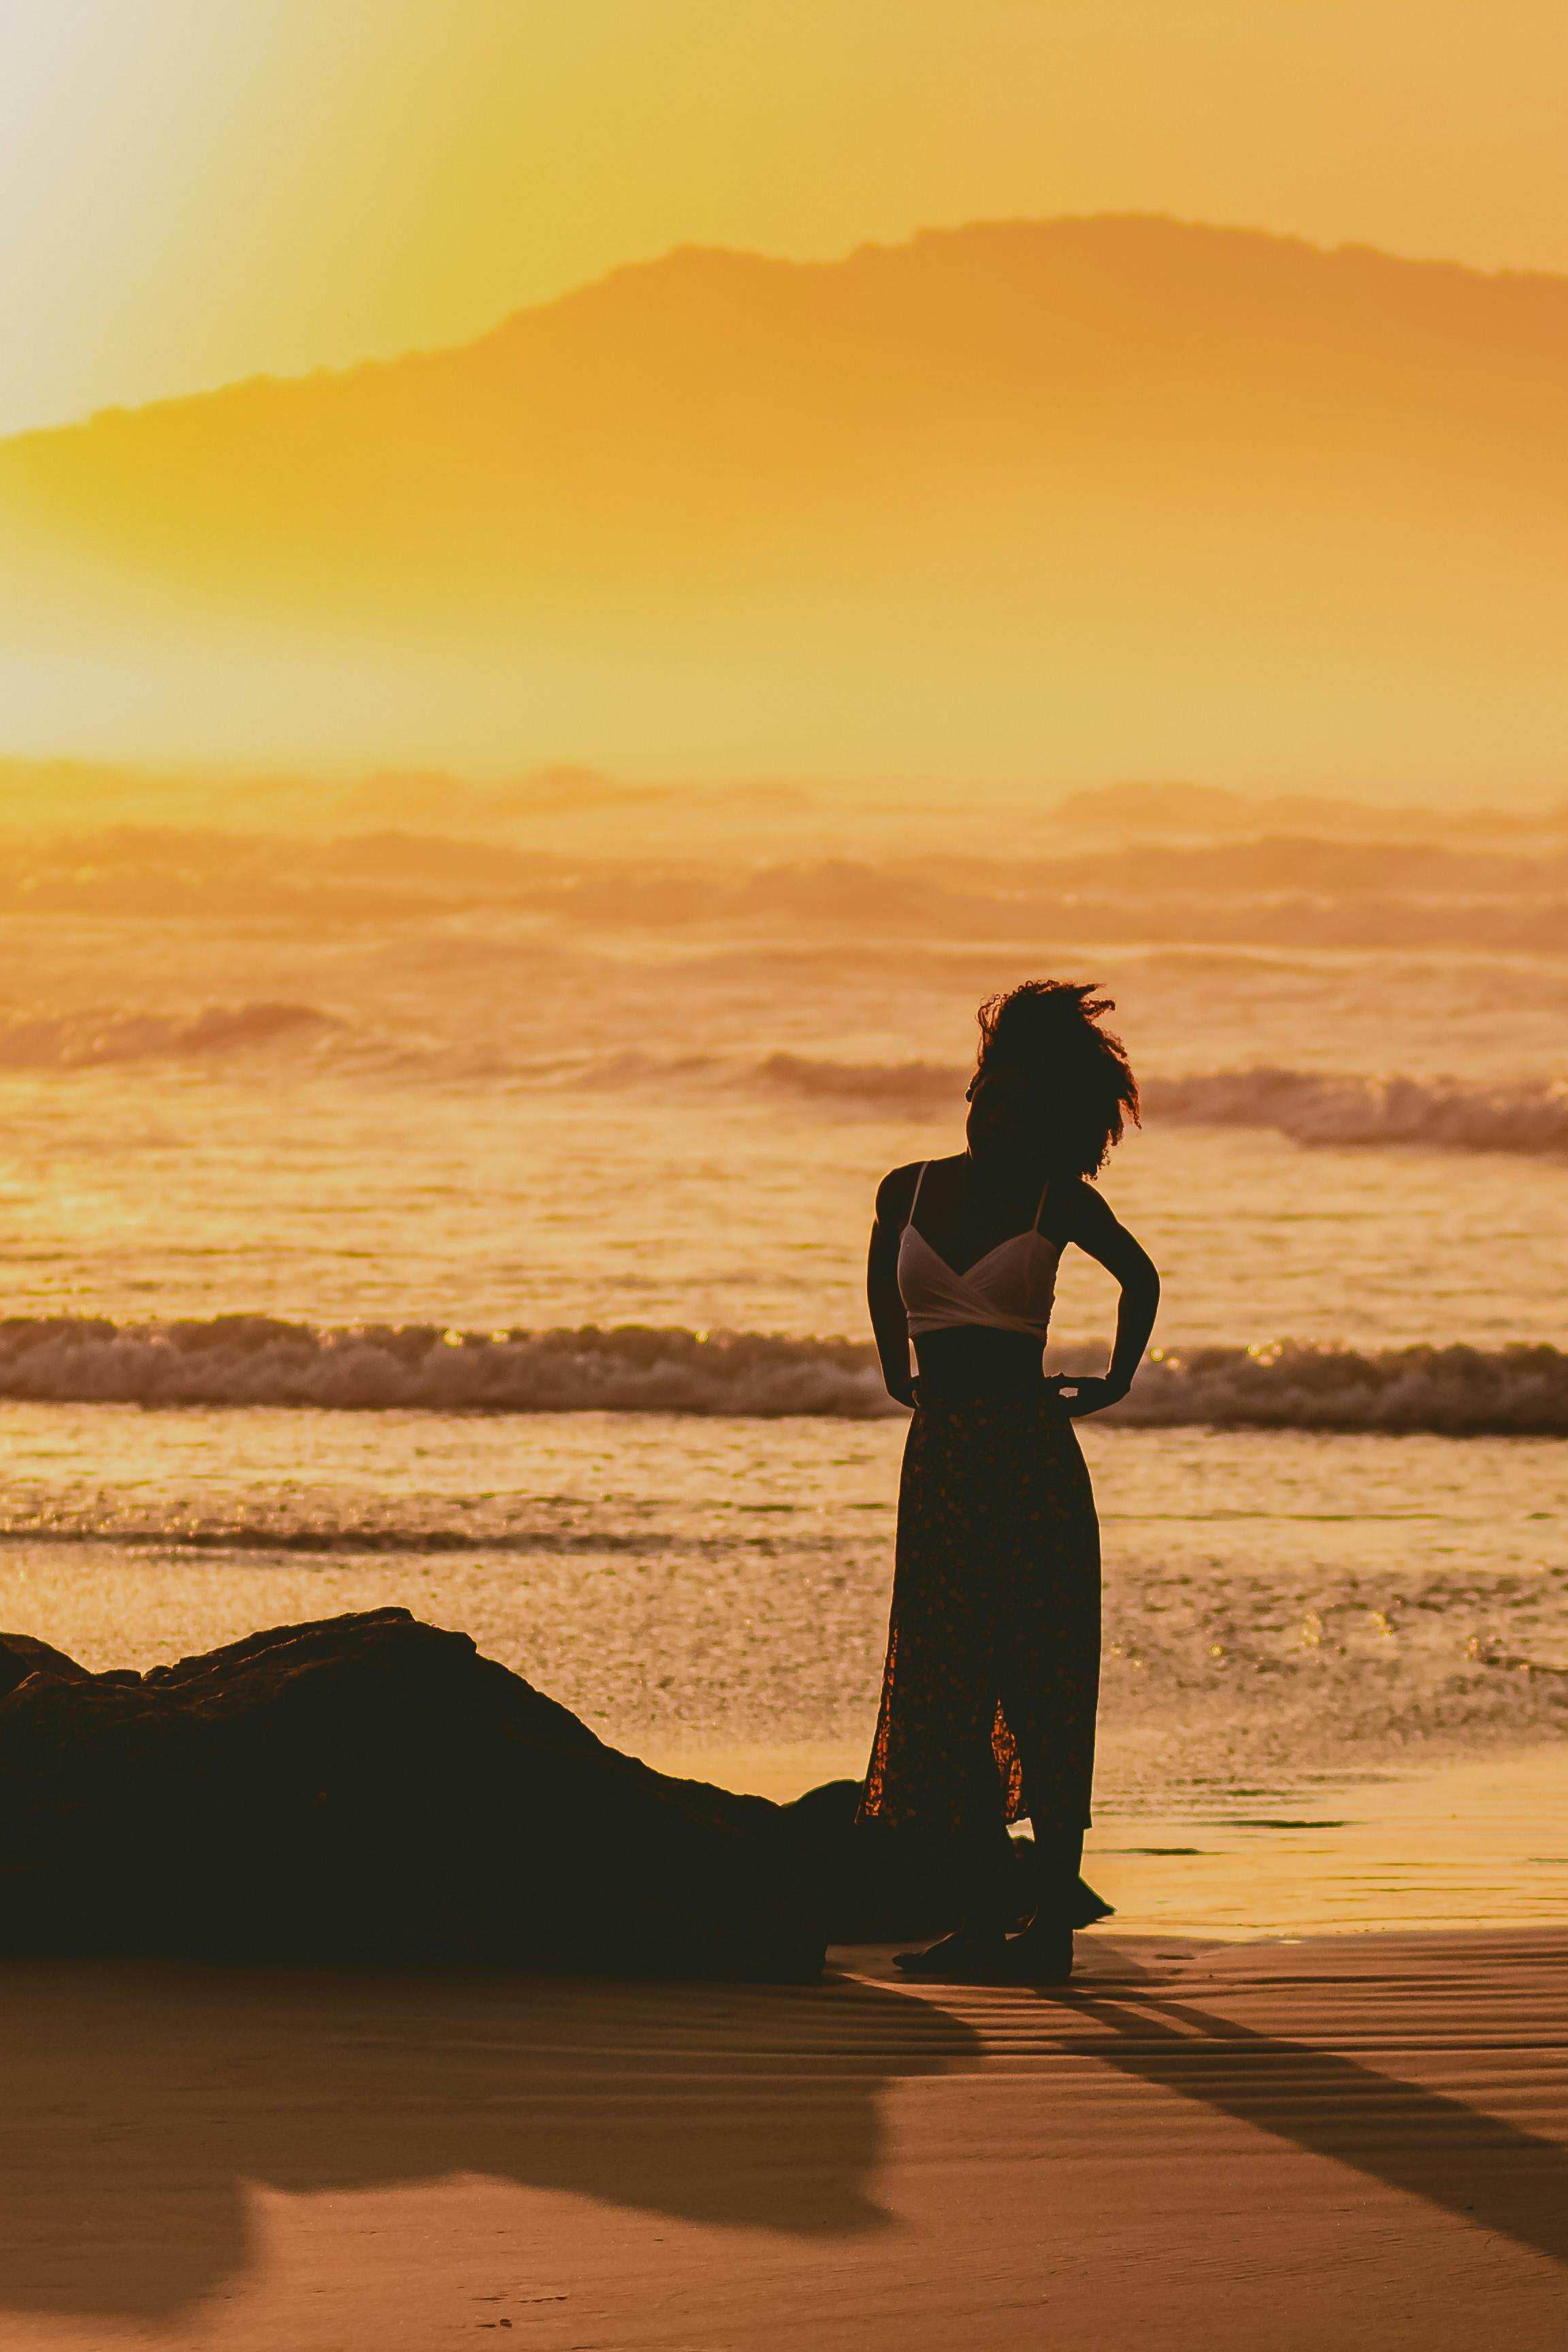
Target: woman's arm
[889,1321]
[1091,1225]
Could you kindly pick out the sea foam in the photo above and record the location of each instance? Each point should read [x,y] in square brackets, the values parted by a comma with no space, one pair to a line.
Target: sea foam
[1430,1114]
[1434,1115]
[85,1040]
[238,1360]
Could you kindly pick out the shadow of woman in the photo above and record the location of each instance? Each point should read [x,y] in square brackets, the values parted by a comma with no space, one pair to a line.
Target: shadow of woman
[142,2099]
[1430,2146]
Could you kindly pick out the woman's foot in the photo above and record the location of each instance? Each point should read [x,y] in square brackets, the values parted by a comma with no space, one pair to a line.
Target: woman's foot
[1087,1906]
[970,1956]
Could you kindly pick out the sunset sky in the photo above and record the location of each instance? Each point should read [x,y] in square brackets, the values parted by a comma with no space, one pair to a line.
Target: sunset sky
[193,192]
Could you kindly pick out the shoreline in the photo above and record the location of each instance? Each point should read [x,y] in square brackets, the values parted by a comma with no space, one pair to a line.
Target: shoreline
[1440,1846]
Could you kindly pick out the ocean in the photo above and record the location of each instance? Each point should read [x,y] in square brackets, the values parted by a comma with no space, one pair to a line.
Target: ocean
[503,1258]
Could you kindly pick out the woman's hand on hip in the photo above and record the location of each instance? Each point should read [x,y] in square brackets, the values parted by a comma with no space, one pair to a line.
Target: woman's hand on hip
[1081,1393]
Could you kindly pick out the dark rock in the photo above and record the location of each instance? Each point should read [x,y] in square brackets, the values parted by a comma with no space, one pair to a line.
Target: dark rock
[22,1655]
[368,1788]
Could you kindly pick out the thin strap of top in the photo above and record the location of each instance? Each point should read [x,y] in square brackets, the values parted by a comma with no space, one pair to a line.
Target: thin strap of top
[920,1179]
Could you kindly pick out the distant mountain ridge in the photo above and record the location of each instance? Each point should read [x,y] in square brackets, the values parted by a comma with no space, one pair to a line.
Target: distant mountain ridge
[1118,489]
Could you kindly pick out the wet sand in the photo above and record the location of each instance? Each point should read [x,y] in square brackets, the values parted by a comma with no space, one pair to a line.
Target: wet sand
[1481,1842]
[1430,1844]
[1350,2141]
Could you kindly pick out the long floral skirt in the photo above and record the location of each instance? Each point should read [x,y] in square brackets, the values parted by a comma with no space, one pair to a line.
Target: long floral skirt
[993,1672]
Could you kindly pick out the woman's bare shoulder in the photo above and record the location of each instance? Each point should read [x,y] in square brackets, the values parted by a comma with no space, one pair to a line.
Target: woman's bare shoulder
[896,1189]
[1076,1206]
[895,1192]
[1084,1215]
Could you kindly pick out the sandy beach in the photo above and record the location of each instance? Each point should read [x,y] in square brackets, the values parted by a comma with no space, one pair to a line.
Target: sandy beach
[1349,2141]
[784,1006]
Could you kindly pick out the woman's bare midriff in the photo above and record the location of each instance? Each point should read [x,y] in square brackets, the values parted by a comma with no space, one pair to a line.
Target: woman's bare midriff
[969,1361]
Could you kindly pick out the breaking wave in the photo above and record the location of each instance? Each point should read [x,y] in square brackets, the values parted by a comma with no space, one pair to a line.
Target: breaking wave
[258,1359]
[253,1360]
[1309,1107]
[77,1041]
[1432,1114]
[873,1086]
[1457,1392]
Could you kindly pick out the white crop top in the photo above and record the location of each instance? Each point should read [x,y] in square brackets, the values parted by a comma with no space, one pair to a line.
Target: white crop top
[1012,1288]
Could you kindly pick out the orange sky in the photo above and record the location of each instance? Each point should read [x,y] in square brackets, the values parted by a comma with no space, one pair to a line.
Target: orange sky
[194,190]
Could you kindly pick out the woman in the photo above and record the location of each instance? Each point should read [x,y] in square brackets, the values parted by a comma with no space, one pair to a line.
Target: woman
[989,1692]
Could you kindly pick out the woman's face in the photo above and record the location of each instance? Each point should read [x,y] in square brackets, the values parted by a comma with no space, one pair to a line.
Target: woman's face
[1009,1127]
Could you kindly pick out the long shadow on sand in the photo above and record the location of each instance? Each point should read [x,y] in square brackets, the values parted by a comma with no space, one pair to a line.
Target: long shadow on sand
[142,2099]
[1421,2141]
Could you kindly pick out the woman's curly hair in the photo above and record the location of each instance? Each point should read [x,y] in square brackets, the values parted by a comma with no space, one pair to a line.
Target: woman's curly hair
[1049,1030]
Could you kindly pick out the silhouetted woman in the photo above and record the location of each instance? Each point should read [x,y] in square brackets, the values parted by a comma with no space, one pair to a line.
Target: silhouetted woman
[992,1671]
